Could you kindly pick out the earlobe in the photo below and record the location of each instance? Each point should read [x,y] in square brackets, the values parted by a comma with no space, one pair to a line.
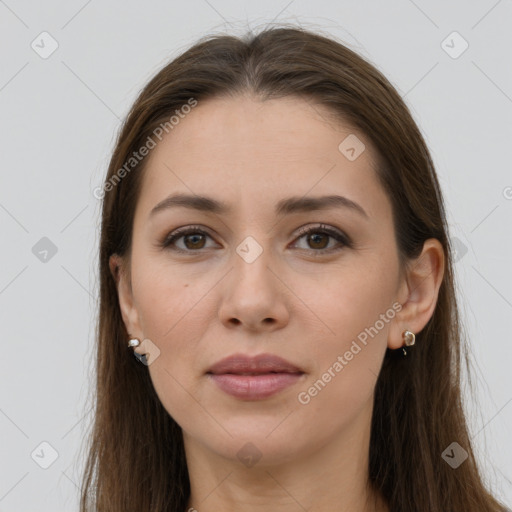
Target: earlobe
[419,292]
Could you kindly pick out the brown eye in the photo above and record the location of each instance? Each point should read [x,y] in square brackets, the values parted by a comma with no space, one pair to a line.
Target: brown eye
[318,239]
[193,240]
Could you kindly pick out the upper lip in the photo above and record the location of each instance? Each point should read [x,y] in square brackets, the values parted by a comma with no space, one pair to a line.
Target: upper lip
[262,363]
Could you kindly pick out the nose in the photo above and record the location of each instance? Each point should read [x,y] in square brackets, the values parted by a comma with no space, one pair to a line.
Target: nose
[253,296]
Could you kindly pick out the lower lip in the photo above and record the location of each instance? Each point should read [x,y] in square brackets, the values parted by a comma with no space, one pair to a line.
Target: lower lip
[255,387]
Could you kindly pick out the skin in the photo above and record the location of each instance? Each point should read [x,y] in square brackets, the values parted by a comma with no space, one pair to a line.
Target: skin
[302,305]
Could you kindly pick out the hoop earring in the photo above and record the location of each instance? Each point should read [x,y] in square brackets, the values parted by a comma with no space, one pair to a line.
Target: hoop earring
[409,340]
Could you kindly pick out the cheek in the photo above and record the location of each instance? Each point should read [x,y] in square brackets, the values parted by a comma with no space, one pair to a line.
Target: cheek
[348,299]
[177,327]
[346,366]
[170,302]
[356,310]
[172,314]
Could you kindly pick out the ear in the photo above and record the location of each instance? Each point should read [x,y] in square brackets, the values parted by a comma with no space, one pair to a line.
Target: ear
[129,313]
[418,292]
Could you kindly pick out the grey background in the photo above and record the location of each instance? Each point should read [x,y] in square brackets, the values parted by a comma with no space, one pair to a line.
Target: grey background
[59,117]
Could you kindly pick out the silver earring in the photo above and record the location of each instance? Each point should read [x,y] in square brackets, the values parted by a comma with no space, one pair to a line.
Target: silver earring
[409,340]
[133,343]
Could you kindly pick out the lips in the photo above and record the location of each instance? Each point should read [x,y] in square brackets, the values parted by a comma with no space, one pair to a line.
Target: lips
[254,378]
[241,364]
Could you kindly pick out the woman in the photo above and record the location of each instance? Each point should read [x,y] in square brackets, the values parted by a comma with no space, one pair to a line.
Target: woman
[274,251]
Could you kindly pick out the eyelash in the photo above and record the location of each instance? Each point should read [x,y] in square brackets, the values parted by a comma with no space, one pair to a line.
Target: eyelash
[340,237]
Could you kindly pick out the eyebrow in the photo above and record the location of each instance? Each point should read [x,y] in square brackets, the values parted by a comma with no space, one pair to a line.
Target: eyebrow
[283,207]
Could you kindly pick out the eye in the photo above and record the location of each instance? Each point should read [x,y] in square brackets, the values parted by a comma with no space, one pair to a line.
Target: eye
[193,238]
[318,238]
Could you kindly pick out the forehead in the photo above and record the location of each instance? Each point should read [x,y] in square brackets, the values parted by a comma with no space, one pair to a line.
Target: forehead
[249,152]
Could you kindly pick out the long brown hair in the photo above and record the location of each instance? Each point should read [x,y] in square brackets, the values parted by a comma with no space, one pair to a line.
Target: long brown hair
[136,458]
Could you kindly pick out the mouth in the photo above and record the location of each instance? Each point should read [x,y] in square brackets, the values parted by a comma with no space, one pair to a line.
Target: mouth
[254,378]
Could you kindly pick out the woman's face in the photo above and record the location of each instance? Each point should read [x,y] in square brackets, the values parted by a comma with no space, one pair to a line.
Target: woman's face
[248,281]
